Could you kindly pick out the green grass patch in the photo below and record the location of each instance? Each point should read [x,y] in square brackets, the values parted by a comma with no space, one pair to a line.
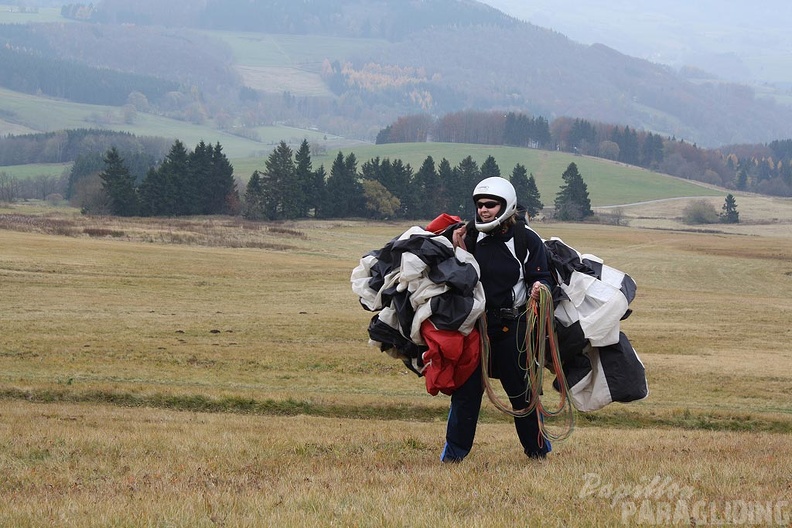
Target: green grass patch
[26,172]
[681,419]
[305,51]
[10,14]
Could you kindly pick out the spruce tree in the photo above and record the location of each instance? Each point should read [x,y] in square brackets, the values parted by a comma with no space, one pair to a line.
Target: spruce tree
[320,190]
[468,177]
[119,185]
[401,176]
[344,196]
[305,179]
[490,168]
[164,191]
[175,169]
[445,175]
[426,185]
[221,191]
[533,203]
[572,202]
[730,214]
[527,192]
[195,190]
[281,191]
[254,198]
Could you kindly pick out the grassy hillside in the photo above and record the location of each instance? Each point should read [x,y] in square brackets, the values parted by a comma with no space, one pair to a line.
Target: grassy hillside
[41,114]
[11,14]
[36,169]
[277,63]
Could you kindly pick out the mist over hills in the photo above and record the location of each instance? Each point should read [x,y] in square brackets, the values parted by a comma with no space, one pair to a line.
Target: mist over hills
[736,41]
[398,58]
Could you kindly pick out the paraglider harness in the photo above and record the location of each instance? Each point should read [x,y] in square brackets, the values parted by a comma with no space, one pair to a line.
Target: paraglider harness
[540,343]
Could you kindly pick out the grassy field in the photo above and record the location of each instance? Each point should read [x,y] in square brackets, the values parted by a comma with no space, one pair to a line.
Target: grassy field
[204,372]
[32,170]
[11,14]
[277,63]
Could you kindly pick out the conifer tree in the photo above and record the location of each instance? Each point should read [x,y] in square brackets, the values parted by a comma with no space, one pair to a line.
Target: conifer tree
[533,202]
[401,176]
[468,175]
[280,188]
[195,187]
[305,179]
[730,214]
[344,196]
[426,186]
[527,192]
[119,185]
[164,191]
[490,168]
[254,198]
[320,190]
[221,190]
[445,177]
[572,202]
[176,170]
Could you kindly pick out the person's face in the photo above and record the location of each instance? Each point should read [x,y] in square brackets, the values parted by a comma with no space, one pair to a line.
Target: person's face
[487,209]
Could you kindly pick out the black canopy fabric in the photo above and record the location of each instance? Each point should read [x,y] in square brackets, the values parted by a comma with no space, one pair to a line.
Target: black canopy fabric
[419,276]
[415,277]
[591,299]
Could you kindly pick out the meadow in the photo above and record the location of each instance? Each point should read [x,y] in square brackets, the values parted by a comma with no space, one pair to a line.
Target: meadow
[216,372]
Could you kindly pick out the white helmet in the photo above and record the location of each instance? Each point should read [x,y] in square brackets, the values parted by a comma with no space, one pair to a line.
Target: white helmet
[499,189]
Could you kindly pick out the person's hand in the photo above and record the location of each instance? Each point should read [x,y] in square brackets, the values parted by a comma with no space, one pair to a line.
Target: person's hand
[535,290]
[458,238]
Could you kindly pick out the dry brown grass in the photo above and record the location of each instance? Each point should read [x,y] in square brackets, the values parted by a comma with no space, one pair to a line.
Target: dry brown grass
[87,465]
[759,215]
[111,345]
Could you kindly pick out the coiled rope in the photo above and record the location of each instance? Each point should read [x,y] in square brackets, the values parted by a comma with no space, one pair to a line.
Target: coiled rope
[539,336]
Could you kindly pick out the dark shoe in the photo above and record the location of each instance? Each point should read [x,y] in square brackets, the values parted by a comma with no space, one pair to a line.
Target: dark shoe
[540,455]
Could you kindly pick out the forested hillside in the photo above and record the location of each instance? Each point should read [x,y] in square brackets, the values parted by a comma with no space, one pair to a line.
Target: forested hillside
[389,19]
[439,56]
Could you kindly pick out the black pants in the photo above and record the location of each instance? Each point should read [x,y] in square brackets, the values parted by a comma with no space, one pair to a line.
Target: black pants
[509,365]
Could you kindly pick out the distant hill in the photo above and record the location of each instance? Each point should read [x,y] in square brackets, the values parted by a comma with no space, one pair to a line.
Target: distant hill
[433,56]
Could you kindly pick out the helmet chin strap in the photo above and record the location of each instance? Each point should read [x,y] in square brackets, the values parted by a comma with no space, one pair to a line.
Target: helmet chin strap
[488,227]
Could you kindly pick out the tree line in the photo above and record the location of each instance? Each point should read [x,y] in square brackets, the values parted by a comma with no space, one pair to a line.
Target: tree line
[289,188]
[69,145]
[200,182]
[766,169]
[197,182]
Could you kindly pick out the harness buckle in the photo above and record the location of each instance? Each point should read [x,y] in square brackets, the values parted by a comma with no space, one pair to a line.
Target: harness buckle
[508,313]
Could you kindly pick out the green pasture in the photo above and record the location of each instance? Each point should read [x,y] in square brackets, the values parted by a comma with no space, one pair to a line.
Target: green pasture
[9,14]
[290,63]
[25,172]
[304,51]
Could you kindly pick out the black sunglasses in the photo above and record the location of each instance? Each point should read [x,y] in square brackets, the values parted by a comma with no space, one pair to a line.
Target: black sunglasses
[488,205]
